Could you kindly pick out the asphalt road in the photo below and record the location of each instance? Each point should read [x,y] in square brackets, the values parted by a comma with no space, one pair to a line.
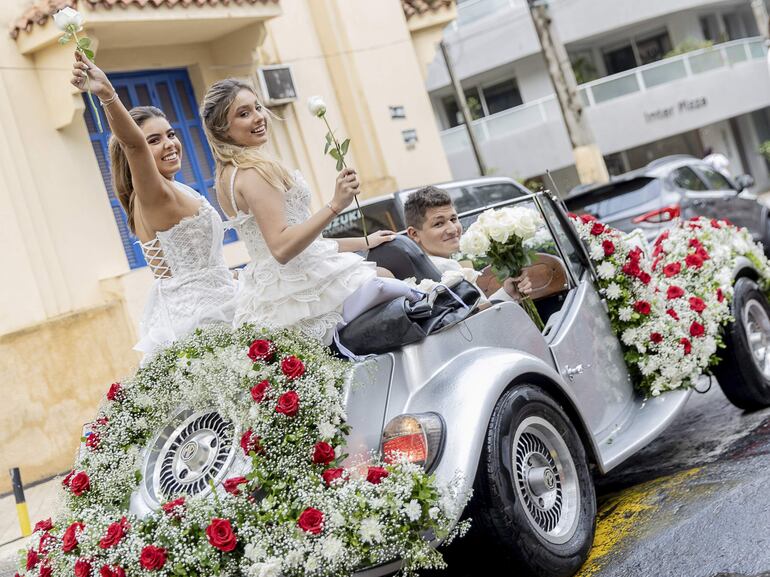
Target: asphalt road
[694,503]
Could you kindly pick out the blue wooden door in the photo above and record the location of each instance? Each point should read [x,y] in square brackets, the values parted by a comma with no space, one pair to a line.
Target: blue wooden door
[171,91]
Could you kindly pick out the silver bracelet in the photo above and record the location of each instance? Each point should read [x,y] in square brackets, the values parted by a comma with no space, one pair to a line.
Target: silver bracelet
[110,100]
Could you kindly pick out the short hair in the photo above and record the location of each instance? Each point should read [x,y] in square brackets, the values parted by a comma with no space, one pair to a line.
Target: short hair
[420,201]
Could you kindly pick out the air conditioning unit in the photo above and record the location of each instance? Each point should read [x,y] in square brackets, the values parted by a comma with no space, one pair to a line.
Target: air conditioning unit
[277,84]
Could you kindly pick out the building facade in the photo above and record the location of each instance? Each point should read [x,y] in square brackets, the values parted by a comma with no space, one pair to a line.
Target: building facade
[74,283]
[656,77]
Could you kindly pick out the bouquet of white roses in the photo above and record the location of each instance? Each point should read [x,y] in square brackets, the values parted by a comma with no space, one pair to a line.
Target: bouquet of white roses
[498,238]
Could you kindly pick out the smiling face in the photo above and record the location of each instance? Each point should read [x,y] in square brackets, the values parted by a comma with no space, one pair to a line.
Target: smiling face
[164,145]
[247,120]
[440,232]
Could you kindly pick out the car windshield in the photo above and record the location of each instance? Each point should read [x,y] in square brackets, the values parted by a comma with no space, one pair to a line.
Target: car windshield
[620,197]
[381,215]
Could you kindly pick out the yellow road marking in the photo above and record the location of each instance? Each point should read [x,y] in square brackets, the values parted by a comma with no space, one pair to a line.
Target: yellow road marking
[626,514]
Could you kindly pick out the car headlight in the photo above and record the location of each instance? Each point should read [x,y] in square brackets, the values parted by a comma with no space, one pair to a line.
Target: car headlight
[418,437]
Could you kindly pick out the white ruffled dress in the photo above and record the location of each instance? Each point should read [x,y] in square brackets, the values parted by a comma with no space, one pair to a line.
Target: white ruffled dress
[308,292]
[193,286]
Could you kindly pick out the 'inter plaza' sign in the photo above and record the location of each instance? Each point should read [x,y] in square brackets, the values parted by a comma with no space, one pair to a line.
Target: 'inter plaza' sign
[681,107]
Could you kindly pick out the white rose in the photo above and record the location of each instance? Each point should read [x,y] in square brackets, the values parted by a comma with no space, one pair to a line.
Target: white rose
[67,17]
[474,243]
[527,223]
[499,231]
[317,106]
[486,218]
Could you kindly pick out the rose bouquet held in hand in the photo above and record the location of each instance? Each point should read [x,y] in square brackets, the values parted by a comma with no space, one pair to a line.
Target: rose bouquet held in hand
[70,22]
[497,239]
[334,148]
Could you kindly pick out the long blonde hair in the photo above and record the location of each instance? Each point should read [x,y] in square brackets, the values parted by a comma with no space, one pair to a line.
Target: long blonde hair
[122,183]
[219,97]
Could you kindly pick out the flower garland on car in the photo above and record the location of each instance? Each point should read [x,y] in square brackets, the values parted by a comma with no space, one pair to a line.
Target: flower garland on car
[668,307]
[297,511]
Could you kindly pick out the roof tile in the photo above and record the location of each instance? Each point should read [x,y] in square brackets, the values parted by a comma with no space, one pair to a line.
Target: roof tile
[419,7]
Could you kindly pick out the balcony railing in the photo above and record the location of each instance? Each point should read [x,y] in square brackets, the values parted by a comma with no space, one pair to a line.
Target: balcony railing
[608,88]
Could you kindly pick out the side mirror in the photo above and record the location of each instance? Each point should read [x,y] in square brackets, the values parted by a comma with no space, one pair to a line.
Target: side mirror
[744,181]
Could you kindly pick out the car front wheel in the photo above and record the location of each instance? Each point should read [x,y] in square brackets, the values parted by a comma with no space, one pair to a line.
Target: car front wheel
[744,372]
[535,496]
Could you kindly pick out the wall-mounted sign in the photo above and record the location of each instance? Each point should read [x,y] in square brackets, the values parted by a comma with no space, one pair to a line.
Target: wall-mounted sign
[410,138]
[397,112]
[683,106]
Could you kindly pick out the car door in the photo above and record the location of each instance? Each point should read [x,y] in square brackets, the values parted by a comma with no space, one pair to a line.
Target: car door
[584,348]
[727,204]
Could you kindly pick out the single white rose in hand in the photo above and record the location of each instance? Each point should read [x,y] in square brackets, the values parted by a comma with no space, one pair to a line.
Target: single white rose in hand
[68,19]
[317,106]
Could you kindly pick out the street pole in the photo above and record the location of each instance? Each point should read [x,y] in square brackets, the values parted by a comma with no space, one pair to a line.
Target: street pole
[588,158]
[464,110]
[760,15]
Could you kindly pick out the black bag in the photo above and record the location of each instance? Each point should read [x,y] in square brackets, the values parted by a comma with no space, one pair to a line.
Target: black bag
[392,325]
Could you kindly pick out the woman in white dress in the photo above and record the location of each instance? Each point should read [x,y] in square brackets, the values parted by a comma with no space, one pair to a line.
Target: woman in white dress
[179,231]
[296,278]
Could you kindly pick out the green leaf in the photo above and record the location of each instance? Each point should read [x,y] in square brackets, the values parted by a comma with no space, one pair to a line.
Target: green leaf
[329,137]
[340,165]
[327,147]
[88,53]
[84,42]
[335,154]
[65,39]
[344,146]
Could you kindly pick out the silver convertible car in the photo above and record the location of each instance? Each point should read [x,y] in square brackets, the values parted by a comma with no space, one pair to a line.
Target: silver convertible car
[527,415]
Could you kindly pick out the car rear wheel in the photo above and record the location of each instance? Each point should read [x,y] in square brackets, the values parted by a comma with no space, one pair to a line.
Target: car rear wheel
[744,372]
[535,497]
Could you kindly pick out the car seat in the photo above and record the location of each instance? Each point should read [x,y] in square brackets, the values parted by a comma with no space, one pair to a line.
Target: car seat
[404,259]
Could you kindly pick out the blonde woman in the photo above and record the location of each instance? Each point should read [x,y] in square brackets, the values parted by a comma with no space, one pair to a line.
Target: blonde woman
[179,231]
[295,278]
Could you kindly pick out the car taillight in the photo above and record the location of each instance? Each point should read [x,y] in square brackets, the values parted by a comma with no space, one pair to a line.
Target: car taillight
[664,214]
[418,438]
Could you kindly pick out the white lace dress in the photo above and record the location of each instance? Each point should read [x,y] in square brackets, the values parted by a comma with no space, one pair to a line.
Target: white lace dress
[193,286]
[308,292]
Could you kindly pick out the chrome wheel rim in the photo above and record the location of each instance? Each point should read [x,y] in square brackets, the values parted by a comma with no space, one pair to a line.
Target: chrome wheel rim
[756,325]
[545,480]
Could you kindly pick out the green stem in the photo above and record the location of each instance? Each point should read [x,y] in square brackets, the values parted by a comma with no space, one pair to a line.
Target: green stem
[88,88]
[355,198]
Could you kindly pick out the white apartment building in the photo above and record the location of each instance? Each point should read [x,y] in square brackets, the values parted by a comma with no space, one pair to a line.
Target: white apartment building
[656,77]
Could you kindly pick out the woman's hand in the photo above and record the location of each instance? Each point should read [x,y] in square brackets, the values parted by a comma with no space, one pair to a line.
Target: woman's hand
[380,237]
[346,189]
[86,75]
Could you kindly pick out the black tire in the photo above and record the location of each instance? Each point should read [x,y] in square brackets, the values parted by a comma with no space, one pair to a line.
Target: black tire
[740,378]
[499,509]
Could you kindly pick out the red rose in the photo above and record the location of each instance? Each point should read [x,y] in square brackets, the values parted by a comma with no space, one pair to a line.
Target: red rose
[323,454]
[114,393]
[694,243]
[46,540]
[45,525]
[330,475]
[376,474]
[631,268]
[656,337]
[32,559]
[720,295]
[152,557]
[46,571]
[586,218]
[609,247]
[635,254]
[715,223]
[697,329]
[113,535]
[645,277]
[311,521]
[220,535]
[70,539]
[261,350]
[674,292]
[92,441]
[697,304]
[656,262]
[672,314]
[292,367]
[250,443]
[82,568]
[727,221]
[642,307]
[231,485]
[597,228]
[80,483]
[672,269]
[693,261]
[66,480]
[687,345]
[114,571]
[702,253]
[174,508]
[258,391]
[288,403]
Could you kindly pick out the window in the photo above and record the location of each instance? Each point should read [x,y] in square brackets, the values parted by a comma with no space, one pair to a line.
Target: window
[710,27]
[494,193]
[502,96]
[453,114]
[714,180]
[685,178]
[640,50]
[380,215]
[620,59]
[483,101]
[653,48]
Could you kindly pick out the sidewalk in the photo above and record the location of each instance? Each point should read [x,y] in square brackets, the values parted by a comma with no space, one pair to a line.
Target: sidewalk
[41,502]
